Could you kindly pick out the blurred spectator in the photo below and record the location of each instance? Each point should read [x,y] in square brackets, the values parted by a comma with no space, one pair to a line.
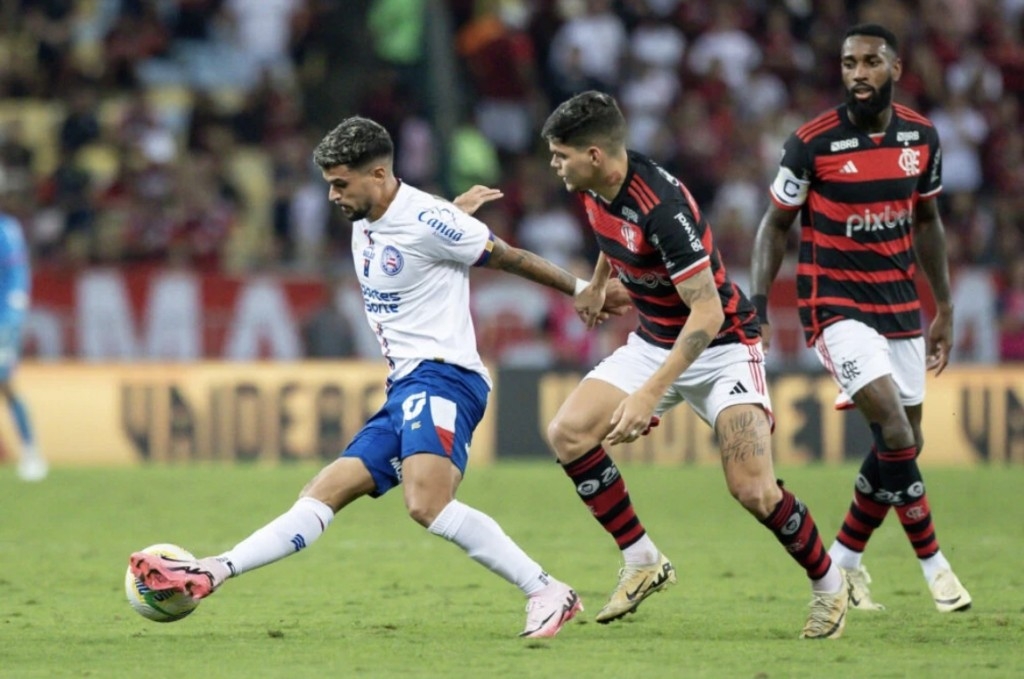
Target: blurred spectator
[974,76]
[547,227]
[975,336]
[264,31]
[473,159]
[652,85]
[726,46]
[784,55]
[1011,313]
[589,47]
[396,30]
[16,157]
[81,126]
[502,68]
[136,34]
[51,25]
[962,129]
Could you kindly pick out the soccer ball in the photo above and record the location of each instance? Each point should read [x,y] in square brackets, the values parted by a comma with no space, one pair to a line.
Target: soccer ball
[166,606]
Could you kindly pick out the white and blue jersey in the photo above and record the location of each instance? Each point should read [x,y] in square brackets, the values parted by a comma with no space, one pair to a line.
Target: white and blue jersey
[413,266]
[15,287]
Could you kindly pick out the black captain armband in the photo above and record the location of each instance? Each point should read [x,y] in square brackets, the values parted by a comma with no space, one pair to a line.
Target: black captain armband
[761,305]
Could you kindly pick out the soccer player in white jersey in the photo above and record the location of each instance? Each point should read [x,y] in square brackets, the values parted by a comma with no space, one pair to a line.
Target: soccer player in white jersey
[412,253]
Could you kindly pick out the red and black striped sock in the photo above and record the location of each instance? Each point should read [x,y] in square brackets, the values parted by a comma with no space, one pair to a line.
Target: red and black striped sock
[865,513]
[794,527]
[600,486]
[916,518]
[901,477]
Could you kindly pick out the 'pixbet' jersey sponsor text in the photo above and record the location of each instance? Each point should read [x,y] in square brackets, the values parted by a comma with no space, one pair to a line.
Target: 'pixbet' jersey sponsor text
[891,217]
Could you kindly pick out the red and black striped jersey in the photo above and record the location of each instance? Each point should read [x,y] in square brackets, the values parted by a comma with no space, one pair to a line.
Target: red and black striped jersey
[654,236]
[857,194]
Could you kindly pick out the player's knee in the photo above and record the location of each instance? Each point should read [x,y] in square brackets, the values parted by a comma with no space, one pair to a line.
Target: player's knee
[756,495]
[423,511]
[566,439]
[895,433]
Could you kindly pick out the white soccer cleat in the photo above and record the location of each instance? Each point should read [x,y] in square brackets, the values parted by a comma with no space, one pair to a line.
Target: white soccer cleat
[860,595]
[33,469]
[636,583]
[827,618]
[549,609]
[949,595]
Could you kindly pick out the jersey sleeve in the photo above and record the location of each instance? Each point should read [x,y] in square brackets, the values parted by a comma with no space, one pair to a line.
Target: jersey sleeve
[789,190]
[453,235]
[930,184]
[676,234]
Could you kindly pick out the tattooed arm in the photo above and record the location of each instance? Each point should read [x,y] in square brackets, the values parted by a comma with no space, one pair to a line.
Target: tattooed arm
[706,317]
[530,266]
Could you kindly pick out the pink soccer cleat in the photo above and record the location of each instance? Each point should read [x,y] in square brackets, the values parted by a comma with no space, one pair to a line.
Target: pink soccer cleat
[197,578]
[549,609]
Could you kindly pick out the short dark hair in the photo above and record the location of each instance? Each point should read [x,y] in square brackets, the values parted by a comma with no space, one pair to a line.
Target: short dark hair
[875,31]
[355,142]
[588,118]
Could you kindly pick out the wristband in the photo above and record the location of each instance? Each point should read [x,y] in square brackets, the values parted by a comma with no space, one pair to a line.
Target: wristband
[761,305]
[581,285]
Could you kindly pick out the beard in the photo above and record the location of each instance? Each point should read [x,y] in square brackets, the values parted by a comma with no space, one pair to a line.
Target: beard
[356,215]
[869,110]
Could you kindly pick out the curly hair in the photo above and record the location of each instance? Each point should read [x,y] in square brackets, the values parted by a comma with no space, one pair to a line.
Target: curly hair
[355,142]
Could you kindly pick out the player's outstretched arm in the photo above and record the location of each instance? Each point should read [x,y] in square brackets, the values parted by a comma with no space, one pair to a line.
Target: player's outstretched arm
[930,248]
[533,267]
[766,260]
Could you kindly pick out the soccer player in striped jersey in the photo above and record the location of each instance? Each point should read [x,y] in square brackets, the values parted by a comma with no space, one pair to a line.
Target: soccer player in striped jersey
[698,341]
[412,253]
[15,284]
[864,177]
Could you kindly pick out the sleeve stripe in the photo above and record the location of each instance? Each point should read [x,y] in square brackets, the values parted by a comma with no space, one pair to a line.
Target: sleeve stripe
[485,256]
[701,264]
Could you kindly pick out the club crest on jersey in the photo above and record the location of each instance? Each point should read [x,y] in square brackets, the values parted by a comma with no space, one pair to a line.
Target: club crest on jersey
[630,236]
[391,261]
[910,161]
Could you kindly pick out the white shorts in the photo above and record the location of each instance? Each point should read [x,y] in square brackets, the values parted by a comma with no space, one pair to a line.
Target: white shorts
[721,376]
[855,354]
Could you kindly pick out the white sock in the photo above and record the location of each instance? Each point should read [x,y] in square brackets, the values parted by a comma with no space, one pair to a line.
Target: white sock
[933,565]
[486,543]
[29,452]
[294,530]
[844,557]
[643,552]
[828,583]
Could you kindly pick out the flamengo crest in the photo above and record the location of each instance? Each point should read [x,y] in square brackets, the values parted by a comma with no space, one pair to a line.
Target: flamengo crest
[910,161]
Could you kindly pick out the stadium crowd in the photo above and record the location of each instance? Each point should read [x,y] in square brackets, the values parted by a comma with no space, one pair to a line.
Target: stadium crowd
[180,133]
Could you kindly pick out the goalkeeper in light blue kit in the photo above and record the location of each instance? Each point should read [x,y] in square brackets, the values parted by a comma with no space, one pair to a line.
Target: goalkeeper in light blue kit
[15,285]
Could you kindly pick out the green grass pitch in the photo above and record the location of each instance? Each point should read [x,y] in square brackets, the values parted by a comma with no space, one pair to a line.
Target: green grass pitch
[377,596]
